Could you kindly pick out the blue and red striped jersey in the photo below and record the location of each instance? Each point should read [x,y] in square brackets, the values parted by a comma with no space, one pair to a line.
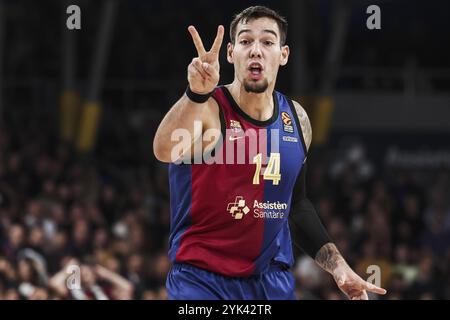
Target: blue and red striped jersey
[230,215]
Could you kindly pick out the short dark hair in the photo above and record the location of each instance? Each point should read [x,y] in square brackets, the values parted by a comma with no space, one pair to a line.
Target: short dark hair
[256,12]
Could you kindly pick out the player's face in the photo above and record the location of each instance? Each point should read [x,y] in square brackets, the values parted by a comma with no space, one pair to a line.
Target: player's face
[257,54]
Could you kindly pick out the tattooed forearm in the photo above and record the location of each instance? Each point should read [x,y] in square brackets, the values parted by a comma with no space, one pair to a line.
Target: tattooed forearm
[329,257]
[304,123]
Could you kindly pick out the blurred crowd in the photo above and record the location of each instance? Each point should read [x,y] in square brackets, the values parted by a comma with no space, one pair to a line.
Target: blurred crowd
[394,220]
[56,211]
[59,210]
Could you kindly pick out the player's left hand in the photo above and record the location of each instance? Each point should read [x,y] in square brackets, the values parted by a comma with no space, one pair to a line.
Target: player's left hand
[352,285]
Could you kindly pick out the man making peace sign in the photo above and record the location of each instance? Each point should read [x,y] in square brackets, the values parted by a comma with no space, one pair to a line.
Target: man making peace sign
[229,235]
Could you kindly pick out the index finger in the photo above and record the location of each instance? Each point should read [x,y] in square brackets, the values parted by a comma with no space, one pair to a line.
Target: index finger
[374,288]
[218,40]
[197,41]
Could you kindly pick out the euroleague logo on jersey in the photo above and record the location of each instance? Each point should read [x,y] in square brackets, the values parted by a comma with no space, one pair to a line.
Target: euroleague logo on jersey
[261,210]
[286,118]
[287,122]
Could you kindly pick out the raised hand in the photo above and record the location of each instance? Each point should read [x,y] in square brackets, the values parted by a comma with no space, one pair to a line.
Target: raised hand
[203,71]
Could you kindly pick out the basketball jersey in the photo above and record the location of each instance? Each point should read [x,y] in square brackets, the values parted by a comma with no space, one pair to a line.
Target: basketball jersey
[231,216]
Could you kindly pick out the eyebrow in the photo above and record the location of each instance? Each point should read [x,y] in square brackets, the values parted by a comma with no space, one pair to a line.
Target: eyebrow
[265,30]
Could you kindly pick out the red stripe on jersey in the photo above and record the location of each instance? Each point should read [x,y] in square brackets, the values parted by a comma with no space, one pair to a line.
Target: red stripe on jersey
[216,240]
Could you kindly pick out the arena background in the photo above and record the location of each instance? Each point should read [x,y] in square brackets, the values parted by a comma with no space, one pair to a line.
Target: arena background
[79,183]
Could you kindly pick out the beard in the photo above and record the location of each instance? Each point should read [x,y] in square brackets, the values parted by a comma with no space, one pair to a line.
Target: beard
[255,87]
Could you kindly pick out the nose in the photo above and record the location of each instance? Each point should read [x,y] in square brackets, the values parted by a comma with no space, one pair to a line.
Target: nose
[255,51]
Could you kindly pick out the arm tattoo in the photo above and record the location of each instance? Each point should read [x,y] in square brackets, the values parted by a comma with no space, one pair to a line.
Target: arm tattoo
[329,257]
[304,123]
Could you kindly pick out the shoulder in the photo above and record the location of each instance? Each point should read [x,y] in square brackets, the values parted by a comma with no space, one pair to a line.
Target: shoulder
[304,123]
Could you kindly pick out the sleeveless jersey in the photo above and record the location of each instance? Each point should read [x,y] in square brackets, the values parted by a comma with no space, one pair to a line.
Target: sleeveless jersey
[230,216]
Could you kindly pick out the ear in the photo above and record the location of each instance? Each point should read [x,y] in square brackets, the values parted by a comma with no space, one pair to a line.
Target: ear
[284,55]
[230,48]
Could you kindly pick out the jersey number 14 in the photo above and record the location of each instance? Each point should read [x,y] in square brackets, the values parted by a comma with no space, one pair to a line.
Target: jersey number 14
[272,171]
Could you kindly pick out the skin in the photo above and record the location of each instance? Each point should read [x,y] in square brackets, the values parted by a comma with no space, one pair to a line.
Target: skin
[256,41]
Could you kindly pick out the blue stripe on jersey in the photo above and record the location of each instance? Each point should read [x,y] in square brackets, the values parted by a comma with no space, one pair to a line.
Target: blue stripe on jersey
[277,242]
[180,180]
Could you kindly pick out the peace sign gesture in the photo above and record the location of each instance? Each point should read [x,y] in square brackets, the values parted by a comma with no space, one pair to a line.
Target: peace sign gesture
[203,71]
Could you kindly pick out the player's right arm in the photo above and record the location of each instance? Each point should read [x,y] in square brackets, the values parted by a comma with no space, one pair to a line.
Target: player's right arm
[203,77]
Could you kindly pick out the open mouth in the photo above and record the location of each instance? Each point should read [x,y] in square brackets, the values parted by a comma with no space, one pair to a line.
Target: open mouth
[255,69]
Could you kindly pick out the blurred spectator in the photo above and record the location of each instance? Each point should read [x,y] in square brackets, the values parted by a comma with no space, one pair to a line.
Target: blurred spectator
[96,283]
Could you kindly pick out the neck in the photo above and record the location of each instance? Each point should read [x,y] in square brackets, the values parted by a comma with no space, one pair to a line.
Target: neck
[259,106]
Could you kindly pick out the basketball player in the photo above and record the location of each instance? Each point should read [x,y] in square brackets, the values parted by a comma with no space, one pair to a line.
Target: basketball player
[230,236]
